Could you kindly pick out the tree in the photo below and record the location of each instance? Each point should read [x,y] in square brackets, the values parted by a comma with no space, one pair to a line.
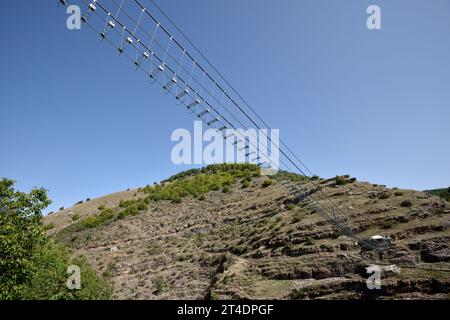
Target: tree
[50,277]
[21,234]
[31,265]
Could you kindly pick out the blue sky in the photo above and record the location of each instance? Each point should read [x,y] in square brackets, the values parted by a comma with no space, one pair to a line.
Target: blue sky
[78,120]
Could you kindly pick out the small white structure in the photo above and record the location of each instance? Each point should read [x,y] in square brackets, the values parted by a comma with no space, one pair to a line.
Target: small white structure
[114,249]
[375,241]
[378,238]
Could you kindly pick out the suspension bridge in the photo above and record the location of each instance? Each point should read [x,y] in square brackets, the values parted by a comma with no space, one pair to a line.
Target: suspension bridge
[168,58]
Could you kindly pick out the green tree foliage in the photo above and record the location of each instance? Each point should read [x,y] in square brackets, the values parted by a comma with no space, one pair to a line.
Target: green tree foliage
[198,182]
[50,276]
[245,184]
[21,235]
[443,193]
[285,175]
[31,265]
[267,183]
[95,221]
[341,180]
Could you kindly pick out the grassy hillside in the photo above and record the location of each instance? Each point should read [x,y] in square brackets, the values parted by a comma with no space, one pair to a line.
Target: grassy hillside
[443,193]
[227,232]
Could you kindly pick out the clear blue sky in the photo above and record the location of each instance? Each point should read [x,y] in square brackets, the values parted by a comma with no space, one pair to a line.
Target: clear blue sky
[78,120]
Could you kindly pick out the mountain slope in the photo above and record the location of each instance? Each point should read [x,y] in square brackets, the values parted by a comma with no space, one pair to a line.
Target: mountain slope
[443,193]
[227,232]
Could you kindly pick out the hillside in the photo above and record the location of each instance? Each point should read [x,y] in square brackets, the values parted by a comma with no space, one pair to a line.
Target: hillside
[228,232]
[443,193]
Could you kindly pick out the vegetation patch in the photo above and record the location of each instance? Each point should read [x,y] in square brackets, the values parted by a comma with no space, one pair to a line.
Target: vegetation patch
[290,206]
[196,183]
[267,183]
[159,286]
[406,203]
[99,219]
[153,249]
[341,180]
[443,193]
[32,266]
[285,175]
[387,225]
[384,195]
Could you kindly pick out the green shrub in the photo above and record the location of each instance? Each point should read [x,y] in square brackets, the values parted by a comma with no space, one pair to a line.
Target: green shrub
[75,217]
[267,183]
[285,175]
[297,217]
[142,206]
[196,183]
[340,180]
[398,193]
[153,249]
[101,207]
[245,184]
[240,250]
[49,226]
[177,200]
[126,203]
[387,225]
[79,202]
[62,208]
[97,220]
[108,271]
[384,195]
[226,189]
[128,211]
[406,203]
[290,206]
[160,285]
[335,235]
[199,238]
